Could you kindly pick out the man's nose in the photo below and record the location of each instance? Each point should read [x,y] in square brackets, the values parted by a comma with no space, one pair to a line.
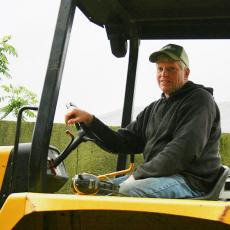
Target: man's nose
[164,72]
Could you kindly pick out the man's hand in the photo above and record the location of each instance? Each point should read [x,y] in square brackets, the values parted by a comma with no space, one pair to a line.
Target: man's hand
[78,115]
[130,179]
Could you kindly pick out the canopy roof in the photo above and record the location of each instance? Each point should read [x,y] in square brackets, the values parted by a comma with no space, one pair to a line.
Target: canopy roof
[160,19]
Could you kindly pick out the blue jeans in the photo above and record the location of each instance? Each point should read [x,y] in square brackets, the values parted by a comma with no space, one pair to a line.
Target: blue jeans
[161,187]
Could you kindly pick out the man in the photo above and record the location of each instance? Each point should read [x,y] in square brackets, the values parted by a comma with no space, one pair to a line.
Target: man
[178,134]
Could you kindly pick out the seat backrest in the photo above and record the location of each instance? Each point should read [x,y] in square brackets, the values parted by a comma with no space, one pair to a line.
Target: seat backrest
[215,192]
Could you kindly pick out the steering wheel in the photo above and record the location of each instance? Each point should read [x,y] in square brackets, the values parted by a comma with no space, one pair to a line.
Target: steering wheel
[89,135]
[84,134]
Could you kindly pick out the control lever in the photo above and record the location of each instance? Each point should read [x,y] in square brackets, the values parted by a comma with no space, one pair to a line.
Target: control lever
[89,184]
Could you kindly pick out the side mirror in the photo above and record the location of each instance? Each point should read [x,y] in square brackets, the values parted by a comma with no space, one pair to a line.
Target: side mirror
[118,46]
[118,41]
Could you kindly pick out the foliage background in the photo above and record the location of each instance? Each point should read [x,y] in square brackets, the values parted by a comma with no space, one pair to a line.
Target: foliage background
[12,98]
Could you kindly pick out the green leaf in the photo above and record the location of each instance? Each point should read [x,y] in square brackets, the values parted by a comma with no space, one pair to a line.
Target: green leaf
[6,50]
[15,98]
[5,39]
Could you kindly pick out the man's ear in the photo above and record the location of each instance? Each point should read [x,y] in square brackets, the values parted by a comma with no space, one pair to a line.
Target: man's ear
[186,73]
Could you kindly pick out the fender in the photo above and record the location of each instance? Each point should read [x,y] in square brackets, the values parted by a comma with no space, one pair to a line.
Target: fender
[4,157]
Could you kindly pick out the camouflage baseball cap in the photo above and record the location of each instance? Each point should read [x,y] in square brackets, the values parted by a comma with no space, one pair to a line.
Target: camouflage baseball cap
[173,51]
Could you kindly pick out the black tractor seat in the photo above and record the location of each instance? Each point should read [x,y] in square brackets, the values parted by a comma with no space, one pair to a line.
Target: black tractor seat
[220,182]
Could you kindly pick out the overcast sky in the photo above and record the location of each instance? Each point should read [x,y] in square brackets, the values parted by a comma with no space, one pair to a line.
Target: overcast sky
[93,78]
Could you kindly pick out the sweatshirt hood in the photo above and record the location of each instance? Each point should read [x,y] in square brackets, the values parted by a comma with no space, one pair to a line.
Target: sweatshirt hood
[189,86]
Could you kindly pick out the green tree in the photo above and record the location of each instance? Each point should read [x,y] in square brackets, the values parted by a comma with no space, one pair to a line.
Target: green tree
[5,49]
[12,98]
[17,97]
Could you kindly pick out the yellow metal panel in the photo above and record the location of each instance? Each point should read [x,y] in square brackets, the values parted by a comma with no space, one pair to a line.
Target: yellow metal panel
[18,205]
[4,156]
[210,210]
[12,211]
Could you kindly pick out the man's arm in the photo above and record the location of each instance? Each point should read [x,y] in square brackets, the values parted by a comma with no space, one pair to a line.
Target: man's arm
[123,140]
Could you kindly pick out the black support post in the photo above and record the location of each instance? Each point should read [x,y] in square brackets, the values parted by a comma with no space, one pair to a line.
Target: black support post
[129,94]
[47,107]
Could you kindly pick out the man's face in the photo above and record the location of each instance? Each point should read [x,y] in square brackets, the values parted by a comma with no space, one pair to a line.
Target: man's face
[171,76]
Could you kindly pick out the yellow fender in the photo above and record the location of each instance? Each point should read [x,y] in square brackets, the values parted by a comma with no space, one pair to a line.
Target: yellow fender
[4,157]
